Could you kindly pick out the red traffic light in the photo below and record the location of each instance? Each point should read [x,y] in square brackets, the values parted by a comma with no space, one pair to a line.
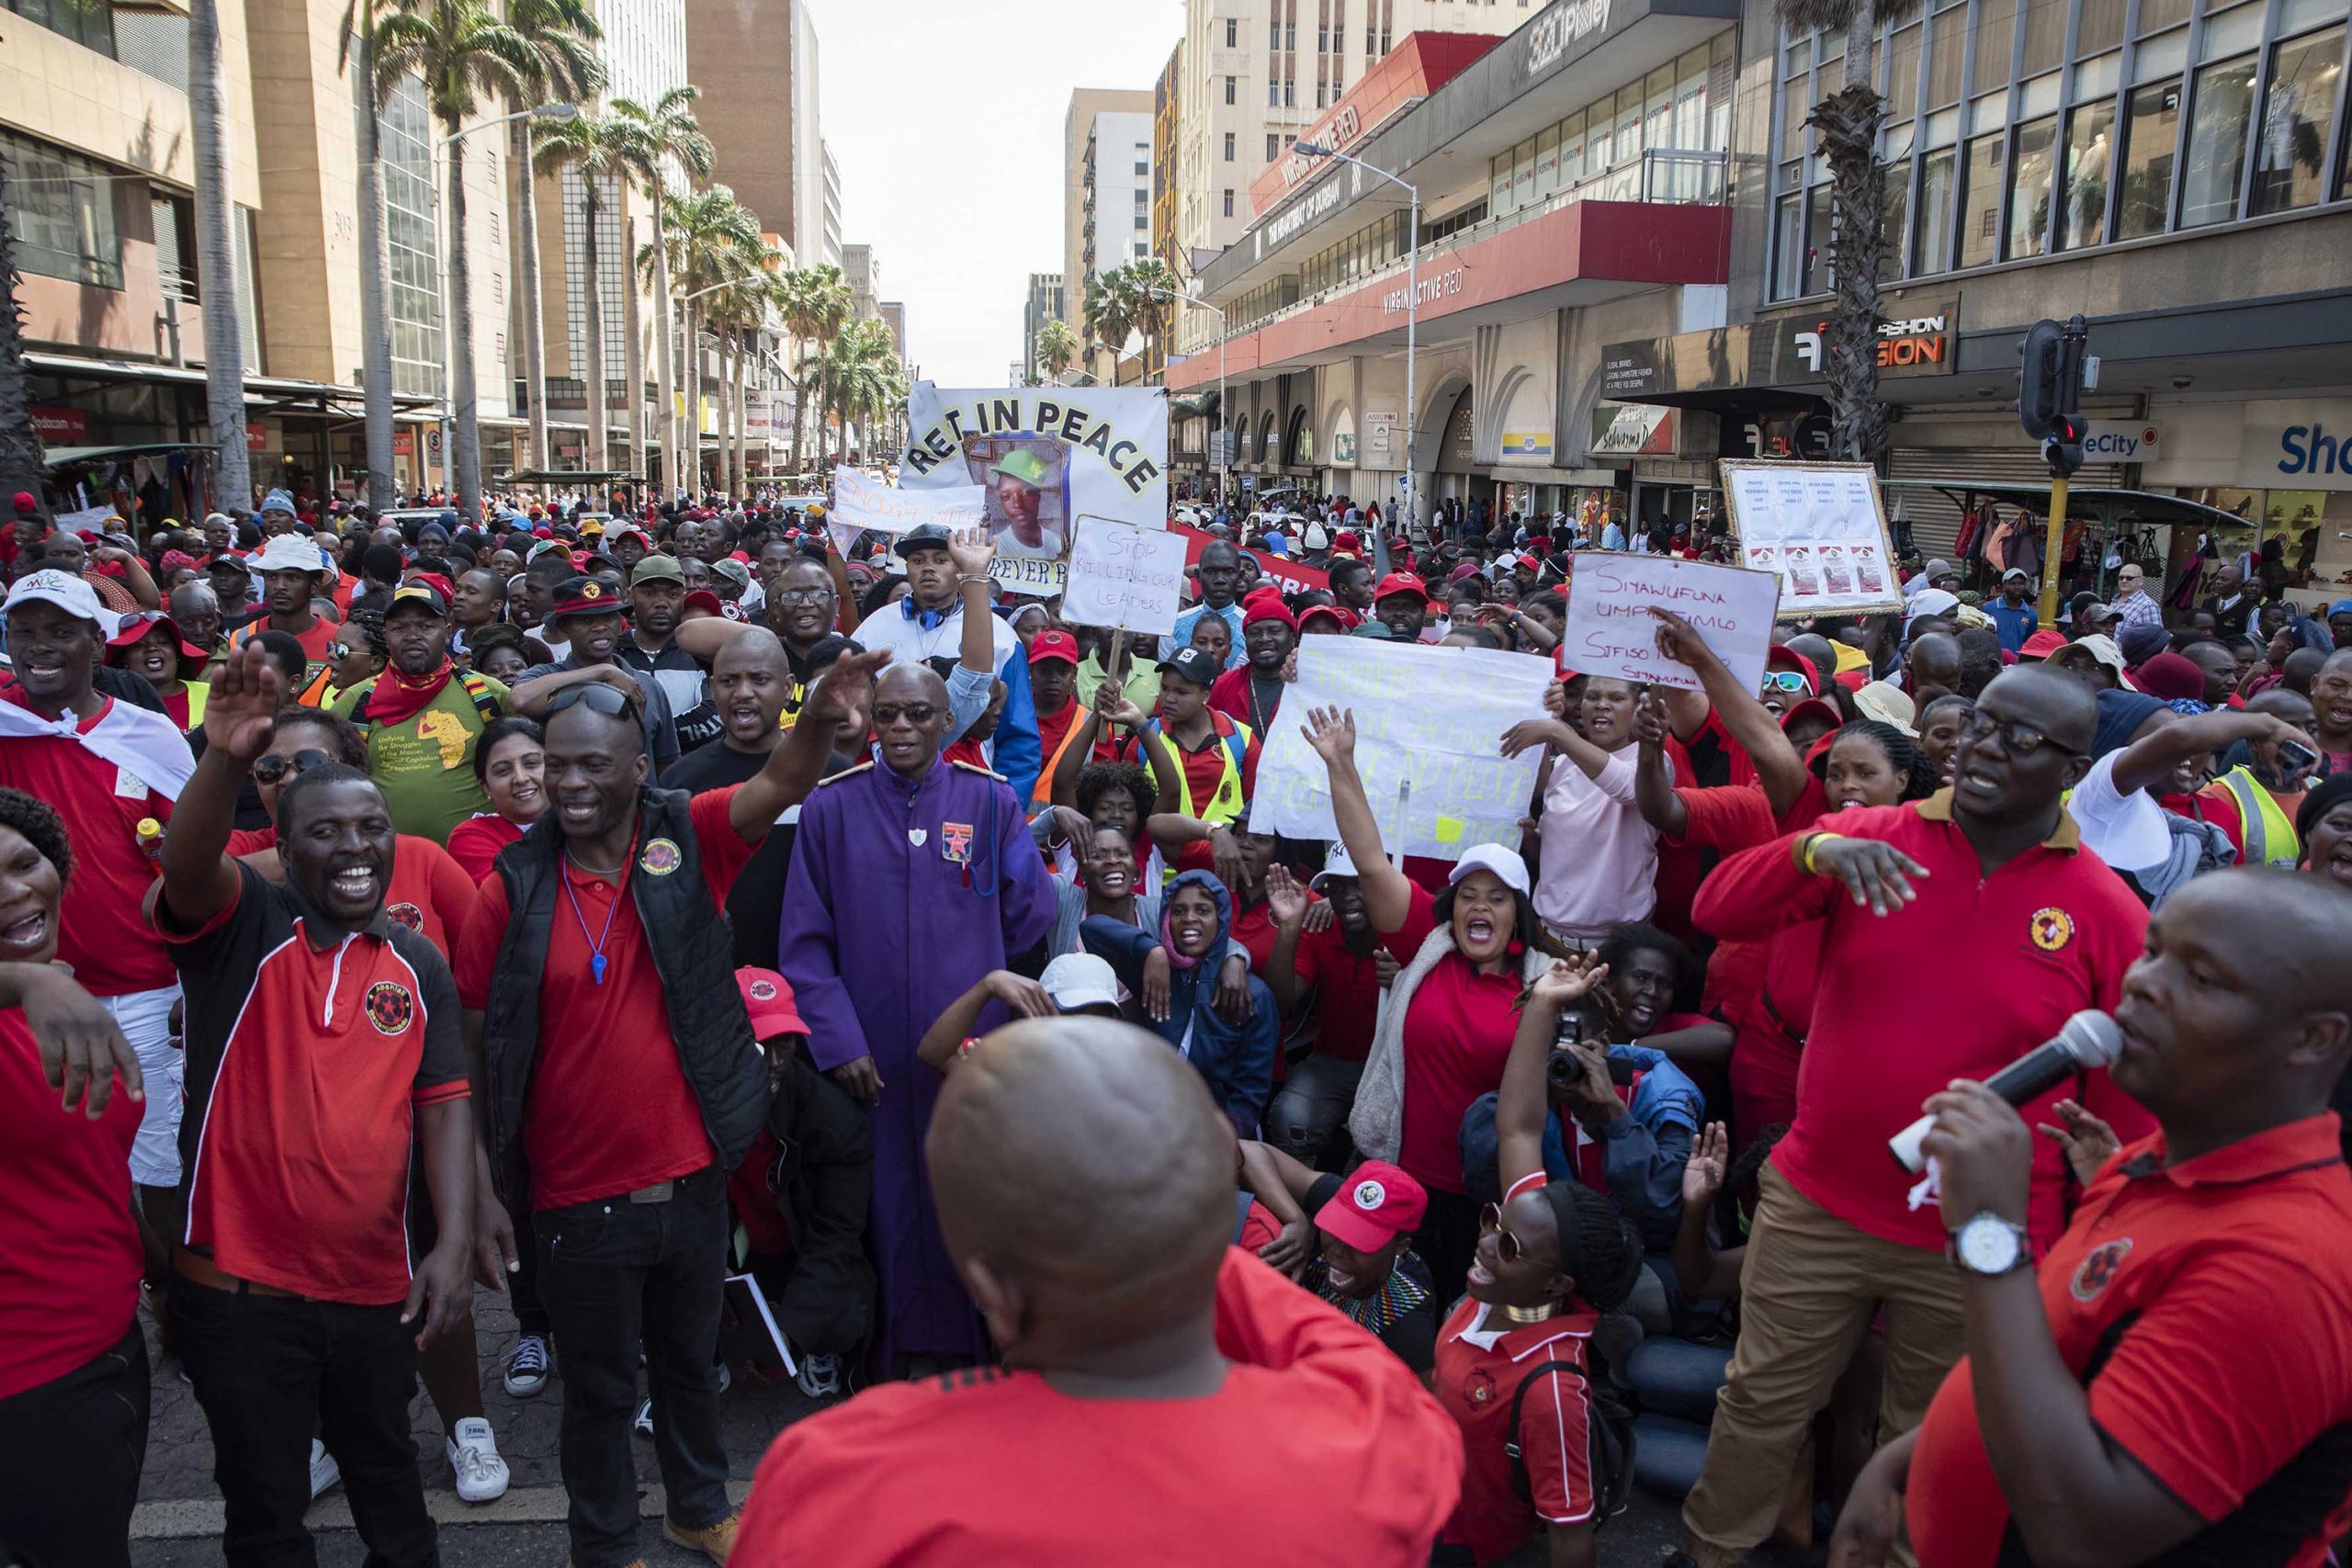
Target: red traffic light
[2067,428]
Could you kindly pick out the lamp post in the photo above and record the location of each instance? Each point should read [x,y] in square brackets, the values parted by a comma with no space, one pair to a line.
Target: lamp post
[444,281]
[1412,296]
[1224,415]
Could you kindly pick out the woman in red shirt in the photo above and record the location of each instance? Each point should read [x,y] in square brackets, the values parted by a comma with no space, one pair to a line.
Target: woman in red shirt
[510,763]
[1463,955]
[73,1362]
[149,645]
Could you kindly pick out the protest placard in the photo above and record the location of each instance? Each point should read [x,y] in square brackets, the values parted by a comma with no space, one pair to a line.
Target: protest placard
[1821,527]
[1294,577]
[1612,632]
[862,501]
[1432,764]
[1124,576]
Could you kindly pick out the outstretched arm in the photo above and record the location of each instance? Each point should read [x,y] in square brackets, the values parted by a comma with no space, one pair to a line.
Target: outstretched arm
[1387,895]
[792,770]
[239,714]
[1744,718]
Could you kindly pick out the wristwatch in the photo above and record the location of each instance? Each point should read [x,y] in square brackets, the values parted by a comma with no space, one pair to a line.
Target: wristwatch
[1988,1245]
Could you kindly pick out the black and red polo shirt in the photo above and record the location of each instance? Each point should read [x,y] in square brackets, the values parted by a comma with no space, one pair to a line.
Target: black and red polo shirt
[309,1051]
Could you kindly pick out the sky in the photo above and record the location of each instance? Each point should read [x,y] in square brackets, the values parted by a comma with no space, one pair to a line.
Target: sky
[945,117]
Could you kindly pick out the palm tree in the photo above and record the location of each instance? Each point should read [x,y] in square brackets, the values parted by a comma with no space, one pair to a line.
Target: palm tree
[1148,282]
[738,315]
[359,38]
[710,239]
[607,149]
[1058,348]
[571,72]
[1848,123]
[224,337]
[856,377]
[670,129]
[816,308]
[465,51]
[22,461]
[1107,313]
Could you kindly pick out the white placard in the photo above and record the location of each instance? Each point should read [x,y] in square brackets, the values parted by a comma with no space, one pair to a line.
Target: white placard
[1821,527]
[861,500]
[1612,632]
[1429,723]
[1125,577]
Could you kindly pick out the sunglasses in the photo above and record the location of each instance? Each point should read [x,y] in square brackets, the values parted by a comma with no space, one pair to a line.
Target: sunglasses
[803,595]
[1788,680]
[2018,739]
[916,714]
[596,697]
[1507,1247]
[270,770]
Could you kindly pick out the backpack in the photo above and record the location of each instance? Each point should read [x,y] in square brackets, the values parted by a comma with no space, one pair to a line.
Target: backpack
[1608,1443]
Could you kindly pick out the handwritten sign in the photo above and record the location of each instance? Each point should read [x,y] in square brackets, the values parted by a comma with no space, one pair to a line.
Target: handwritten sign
[1124,576]
[1821,527]
[1612,632]
[1433,766]
[862,501]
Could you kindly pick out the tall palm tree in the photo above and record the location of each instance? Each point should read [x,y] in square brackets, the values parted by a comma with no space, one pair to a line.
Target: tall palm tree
[224,337]
[816,308]
[357,45]
[607,150]
[856,376]
[22,461]
[1107,314]
[571,72]
[465,51]
[1148,282]
[672,131]
[1058,348]
[711,239]
[1848,123]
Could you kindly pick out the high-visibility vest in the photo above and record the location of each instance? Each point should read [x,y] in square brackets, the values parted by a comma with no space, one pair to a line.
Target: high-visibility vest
[1226,802]
[1042,794]
[2268,831]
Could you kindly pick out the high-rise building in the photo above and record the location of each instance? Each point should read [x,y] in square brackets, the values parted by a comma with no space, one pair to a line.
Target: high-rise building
[862,272]
[830,251]
[894,316]
[1044,304]
[1167,128]
[1095,238]
[757,68]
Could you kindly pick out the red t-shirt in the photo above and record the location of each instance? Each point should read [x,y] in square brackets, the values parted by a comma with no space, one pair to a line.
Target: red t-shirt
[610,1109]
[305,1068]
[2045,936]
[1458,1031]
[1319,1447]
[429,892]
[100,932]
[69,1250]
[1346,993]
[474,843]
[2206,1400]
[1477,1381]
[322,635]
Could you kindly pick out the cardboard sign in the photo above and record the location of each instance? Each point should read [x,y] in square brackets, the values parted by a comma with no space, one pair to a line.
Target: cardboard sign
[862,501]
[1124,576]
[1429,723]
[1612,632]
[1821,527]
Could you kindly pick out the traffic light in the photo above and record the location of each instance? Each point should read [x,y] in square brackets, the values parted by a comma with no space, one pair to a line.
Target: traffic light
[2050,390]
[2062,447]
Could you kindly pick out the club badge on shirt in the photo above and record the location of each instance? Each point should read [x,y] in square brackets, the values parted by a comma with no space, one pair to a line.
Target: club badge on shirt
[2097,1271]
[389,1007]
[405,914]
[661,857]
[2052,927]
[955,842]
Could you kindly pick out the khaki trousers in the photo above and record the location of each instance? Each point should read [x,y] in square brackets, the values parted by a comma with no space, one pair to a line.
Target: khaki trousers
[1809,1288]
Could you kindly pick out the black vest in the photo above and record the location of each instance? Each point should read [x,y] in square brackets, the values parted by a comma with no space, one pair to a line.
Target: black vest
[694,953]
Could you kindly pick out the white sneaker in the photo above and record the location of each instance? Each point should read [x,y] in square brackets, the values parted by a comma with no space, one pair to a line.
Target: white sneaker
[526,1367]
[820,1377]
[324,1471]
[726,1378]
[473,1459]
[643,1425]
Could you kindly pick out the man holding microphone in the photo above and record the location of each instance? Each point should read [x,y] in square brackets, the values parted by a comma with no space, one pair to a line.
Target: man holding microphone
[2173,1384]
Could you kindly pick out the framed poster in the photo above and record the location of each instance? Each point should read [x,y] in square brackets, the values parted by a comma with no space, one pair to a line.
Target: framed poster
[1822,526]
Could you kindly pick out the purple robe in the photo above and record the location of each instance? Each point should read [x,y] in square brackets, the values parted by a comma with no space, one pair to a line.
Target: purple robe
[902,897]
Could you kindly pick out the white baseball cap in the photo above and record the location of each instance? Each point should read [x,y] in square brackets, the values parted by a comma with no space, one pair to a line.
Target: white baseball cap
[1338,863]
[66,590]
[1079,980]
[288,552]
[1507,865]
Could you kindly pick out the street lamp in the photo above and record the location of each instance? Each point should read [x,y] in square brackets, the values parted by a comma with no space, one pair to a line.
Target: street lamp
[1224,414]
[1412,294]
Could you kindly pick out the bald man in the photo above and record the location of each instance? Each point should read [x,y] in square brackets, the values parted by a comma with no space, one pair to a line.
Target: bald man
[1168,1395]
[2175,1381]
[911,878]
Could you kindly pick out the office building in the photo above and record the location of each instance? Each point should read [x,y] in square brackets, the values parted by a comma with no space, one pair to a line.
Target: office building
[829,252]
[756,65]
[1044,304]
[1167,127]
[863,271]
[1080,145]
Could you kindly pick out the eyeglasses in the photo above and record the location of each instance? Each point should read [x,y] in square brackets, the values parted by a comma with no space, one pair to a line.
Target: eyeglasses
[803,595]
[338,650]
[596,697]
[1507,1247]
[916,714]
[271,769]
[2018,739]
[1788,680]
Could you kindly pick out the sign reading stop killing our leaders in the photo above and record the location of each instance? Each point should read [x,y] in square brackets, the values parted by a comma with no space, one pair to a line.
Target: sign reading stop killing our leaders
[1432,766]
[862,502]
[1125,577]
[1611,631]
[1822,526]
[1044,457]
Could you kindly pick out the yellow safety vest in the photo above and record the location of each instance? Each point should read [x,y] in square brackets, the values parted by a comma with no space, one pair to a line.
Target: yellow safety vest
[1233,738]
[2268,831]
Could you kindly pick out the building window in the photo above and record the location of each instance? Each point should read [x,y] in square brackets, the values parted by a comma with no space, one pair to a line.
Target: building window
[2218,120]
[175,224]
[1273,93]
[89,22]
[1143,219]
[1229,203]
[411,237]
[1229,147]
[1230,83]
[61,213]
[2030,171]
[1143,248]
[2151,135]
[1931,247]
[2297,106]
[1232,33]
[1274,146]
[1980,200]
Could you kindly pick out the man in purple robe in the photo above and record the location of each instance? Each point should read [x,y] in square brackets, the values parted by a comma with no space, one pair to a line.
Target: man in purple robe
[910,880]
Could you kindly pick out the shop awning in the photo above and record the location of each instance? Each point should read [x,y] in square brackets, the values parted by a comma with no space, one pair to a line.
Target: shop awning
[563,476]
[2095,502]
[75,457]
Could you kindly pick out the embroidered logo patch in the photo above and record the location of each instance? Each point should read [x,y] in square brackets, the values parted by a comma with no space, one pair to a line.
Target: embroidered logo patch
[917,836]
[2051,927]
[405,914]
[2098,1270]
[1479,1387]
[1371,1195]
[955,840]
[764,990]
[389,1007]
[660,858]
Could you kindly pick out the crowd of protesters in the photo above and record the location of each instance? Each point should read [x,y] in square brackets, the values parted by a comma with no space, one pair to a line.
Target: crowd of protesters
[590,907]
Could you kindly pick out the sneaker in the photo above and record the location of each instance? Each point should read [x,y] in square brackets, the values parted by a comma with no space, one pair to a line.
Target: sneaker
[643,1425]
[726,1378]
[714,1541]
[820,1377]
[324,1471]
[526,1367]
[473,1460]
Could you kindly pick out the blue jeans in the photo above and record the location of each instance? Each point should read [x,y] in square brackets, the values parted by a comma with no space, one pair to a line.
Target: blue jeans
[610,1271]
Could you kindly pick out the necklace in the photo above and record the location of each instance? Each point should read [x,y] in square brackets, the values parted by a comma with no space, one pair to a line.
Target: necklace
[597,943]
[1531,1314]
[595,870]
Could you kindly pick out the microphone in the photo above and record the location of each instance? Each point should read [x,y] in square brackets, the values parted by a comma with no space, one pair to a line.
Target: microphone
[2089,1040]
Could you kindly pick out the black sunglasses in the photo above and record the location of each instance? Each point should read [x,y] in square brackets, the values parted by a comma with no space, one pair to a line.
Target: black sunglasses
[271,769]
[2018,739]
[597,697]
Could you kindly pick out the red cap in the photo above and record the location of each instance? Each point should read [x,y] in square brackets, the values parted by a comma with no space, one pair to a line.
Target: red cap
[1346,539]
[132,628]
[1347,619]
[767,996]
[1052,644]
[1375,1204]
[1780,655]
[703,599]
[1399,582]
[2042,645]
[25,505]
[1269,610]
[1812,707]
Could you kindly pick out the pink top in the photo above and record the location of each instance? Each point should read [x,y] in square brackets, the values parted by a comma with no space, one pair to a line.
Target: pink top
[1599,857]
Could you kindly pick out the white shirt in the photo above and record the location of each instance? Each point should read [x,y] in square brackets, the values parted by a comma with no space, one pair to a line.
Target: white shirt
[2127,830]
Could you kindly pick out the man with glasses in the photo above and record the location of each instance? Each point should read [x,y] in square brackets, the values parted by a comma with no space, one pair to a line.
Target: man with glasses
[1987,878]
[2132,605]
[910,880]
[586,614]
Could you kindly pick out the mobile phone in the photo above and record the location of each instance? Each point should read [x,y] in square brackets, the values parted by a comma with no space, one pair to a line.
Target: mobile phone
[2295,755]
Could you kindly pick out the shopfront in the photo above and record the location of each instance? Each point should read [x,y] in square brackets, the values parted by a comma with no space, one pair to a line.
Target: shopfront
[2284,466]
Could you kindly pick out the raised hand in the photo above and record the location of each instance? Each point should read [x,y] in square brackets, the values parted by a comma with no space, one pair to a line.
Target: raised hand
[2089,1143]
[971,550]
[1702,1174]
[843,692]
[1332,733]
[1285,899]
[1566,981]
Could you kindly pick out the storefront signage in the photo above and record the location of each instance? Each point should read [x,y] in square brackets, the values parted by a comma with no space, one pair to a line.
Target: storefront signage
[1342,125]
[1434,288]
[2127,442]
[1920,342]
[2297,444]
[404,442]
[1631,369]
[1314,205]
[1630,429]
[1561,29]
[61,427]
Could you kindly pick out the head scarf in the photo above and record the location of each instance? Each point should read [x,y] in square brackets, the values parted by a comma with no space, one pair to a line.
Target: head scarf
[2171,677]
